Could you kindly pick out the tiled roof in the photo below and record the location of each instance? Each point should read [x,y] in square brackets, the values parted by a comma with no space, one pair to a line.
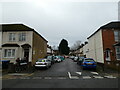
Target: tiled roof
[17,27]
[111,25]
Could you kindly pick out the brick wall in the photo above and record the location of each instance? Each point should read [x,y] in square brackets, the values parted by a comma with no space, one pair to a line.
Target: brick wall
[108,41]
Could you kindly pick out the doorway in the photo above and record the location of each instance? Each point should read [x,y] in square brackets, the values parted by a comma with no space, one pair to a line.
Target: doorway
[26,54]
[107,56]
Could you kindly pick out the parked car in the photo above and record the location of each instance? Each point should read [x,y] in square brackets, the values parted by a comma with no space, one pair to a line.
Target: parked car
[76,58]
[72,57]
[43,63]
[57,59]
[62,58]
[88,63]
[66,56]
[79,61]
[51,58]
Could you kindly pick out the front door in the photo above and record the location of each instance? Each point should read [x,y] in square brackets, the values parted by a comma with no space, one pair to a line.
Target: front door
[26,54]
[107,55]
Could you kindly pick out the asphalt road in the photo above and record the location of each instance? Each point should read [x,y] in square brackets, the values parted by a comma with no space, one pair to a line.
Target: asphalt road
[66,74]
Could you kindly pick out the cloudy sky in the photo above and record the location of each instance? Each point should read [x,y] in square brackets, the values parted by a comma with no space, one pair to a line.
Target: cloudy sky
[72,20]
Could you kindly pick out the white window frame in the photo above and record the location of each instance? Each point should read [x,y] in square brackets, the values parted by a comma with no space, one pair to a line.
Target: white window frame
[22,36]
[9,53]
[117,35]
[117,53]
[12,37]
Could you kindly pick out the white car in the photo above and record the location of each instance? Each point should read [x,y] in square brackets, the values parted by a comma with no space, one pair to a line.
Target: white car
[76,58]
[57,59]
[43,63]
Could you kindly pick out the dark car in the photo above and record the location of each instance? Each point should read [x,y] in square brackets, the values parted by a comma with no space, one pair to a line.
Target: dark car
[88,63]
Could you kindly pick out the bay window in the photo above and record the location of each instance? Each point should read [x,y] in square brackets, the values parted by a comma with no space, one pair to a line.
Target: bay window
[9,53]
[117,52]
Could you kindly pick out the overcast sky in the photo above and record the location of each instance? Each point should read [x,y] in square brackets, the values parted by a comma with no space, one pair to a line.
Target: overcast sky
[55,20]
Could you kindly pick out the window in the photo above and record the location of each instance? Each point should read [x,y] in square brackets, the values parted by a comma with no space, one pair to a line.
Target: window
[22,37]
[118,52]
[11,36]
[9,53]
[117,35]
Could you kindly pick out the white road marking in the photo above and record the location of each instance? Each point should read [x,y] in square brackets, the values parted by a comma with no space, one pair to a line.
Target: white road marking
[72,77]
[37,78]
[47,78]
[25,78]
[61,78]
[79,73]
[110,76]
[86,77]
[98,77]
[69,74]
[94,73]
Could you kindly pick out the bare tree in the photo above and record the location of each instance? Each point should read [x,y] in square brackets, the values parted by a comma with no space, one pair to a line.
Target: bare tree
[76,45]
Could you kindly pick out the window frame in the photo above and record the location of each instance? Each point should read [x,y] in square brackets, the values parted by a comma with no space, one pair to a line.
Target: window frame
[22,36]
[117,53]
[9,53]
[12,37]
[117,35]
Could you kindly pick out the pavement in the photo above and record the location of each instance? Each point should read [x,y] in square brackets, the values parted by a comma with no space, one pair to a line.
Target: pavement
[109,71]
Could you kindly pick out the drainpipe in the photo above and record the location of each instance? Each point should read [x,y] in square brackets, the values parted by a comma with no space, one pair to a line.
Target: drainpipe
[95,48]
[1,43]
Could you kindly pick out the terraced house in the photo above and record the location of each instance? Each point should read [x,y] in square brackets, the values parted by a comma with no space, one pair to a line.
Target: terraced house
[19,41]
[104,45]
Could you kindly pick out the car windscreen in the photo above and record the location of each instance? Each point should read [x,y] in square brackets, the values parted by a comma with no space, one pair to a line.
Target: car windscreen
[41,60]
[49,57]
[80,59]
[89,60]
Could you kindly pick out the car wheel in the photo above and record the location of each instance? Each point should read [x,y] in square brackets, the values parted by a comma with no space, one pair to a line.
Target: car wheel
[95,69]
[50,66]
[47,67]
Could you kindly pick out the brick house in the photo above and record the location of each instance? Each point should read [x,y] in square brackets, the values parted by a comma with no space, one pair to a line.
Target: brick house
[104,45]
[19,41]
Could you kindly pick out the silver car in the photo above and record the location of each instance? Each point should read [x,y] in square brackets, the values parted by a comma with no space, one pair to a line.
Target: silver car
[43,63]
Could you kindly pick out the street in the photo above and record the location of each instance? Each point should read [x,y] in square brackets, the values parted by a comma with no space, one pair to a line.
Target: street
[66,74]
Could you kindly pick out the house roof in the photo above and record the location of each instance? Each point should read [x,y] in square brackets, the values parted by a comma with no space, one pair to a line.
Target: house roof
[111,25]
[15,27]
[18,27]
